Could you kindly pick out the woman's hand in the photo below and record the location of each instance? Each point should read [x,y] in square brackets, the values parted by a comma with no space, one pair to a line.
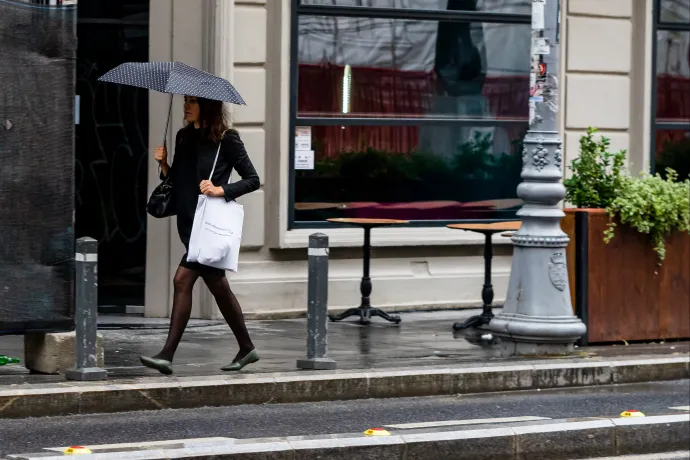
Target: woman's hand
[208,189]
[161,155]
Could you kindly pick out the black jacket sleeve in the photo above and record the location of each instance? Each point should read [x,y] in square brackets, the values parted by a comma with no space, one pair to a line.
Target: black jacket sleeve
[236,154]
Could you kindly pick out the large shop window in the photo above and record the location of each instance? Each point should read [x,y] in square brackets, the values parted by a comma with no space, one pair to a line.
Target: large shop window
[408,109]
[671,139]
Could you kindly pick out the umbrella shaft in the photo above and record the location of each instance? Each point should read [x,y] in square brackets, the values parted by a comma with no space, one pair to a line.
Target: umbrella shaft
[167,123]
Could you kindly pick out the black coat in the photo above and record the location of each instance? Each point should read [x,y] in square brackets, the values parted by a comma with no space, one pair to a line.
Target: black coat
[193,161]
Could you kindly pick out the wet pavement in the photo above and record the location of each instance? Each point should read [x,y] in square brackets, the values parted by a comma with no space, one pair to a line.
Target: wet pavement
[423,339]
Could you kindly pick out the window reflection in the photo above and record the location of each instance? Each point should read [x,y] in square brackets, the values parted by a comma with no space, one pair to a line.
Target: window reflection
[441,73]
[673,76]
[673,151]
[409,68]
[675,11]
[493,6]
[398,172]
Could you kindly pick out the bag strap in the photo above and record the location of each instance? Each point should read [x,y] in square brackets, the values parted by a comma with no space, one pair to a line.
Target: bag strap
[220,143]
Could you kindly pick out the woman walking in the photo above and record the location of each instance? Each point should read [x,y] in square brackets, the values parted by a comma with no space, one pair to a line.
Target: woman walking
[195,150]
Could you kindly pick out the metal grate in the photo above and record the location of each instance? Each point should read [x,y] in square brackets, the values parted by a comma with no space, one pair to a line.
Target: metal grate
[37,66]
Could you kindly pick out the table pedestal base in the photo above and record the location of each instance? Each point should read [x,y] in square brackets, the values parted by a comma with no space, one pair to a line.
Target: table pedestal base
[475,321]
[365,310]
[487,290]
[365,314]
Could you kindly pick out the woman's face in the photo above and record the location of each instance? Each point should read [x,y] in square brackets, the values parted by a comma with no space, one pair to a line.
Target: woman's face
[191,109]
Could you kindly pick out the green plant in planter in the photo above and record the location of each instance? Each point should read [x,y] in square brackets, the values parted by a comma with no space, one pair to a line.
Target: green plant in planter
[597,173]
[652,205]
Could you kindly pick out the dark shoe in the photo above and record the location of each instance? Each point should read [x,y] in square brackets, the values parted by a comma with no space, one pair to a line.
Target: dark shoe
[161,365]
[252,357]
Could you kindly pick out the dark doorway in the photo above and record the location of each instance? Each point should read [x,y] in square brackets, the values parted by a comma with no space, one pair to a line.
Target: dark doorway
[112,146]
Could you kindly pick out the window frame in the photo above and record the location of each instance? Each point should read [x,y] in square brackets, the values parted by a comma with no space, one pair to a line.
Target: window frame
[657,26]
[298,9]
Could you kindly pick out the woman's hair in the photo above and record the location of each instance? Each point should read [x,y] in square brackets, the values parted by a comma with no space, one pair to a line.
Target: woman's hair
[213,118]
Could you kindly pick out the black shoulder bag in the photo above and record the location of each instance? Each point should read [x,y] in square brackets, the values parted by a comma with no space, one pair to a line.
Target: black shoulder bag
[162,201]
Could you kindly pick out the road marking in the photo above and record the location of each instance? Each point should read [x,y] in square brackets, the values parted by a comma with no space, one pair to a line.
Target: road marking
[153,445]
[477,421]
[680,408]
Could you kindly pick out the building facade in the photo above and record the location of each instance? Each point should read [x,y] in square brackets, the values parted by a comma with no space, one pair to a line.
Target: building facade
[406,109]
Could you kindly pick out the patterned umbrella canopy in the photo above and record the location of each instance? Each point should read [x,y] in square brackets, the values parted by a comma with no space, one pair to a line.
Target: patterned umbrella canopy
[174,78]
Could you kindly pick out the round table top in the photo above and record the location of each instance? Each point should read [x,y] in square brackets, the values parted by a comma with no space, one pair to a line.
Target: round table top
[316,206]
[366,222]
[492,227]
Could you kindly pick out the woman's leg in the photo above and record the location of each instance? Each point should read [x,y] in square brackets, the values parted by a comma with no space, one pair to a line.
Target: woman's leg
[230,308]
[182,309]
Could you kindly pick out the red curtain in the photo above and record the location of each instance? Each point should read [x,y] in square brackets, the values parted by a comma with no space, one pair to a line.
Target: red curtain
[673,104]
[389,93]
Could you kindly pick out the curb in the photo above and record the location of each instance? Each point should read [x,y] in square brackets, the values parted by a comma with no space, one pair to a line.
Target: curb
[187,393]
[680,455]
[557,441]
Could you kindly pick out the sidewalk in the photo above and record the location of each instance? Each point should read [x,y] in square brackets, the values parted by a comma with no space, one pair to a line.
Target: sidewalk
[422,339]
[421,357]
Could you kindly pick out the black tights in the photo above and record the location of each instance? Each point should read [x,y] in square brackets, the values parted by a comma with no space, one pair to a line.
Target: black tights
[182,309]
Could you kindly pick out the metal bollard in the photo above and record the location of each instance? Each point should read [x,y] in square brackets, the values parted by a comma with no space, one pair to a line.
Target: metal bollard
[317,309]
[86,314]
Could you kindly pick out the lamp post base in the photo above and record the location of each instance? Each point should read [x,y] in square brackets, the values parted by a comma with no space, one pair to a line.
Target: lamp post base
[508,348]
[521,335]
[537,315]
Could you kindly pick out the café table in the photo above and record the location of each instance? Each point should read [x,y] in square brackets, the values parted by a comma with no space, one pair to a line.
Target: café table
[365,311]
[488,230]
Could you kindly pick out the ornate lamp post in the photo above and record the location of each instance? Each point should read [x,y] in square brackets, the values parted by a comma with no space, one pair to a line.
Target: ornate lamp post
[537,316]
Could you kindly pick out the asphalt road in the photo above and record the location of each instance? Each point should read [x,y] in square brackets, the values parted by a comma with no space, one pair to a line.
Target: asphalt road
[31,435]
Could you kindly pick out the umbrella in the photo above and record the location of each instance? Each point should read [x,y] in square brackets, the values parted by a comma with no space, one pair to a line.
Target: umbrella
[173,78]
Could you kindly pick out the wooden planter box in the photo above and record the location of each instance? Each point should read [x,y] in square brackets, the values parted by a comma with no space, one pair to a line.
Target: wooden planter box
[614,287]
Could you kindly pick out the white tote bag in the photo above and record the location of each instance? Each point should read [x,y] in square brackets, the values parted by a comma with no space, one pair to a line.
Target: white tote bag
[217,231]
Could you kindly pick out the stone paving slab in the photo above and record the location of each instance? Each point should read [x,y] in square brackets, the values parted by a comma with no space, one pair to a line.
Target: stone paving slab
[561,440]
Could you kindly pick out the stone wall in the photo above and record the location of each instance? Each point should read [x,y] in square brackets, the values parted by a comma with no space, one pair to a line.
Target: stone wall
[607,75]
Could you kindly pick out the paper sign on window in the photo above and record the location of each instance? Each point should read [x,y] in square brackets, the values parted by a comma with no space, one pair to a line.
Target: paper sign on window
[304,159]
[304,155]
[303,138]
